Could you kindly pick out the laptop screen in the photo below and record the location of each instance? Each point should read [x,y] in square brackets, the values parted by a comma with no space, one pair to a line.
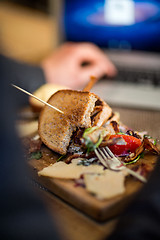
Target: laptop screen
[114,24]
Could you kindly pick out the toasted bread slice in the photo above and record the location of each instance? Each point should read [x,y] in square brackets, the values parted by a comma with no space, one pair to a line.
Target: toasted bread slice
[56,129]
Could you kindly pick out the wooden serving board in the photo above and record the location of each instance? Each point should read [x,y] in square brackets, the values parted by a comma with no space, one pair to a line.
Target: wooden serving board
[78,197]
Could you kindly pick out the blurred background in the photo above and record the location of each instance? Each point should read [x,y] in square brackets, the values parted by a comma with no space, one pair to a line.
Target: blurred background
[30,30]
[27,29]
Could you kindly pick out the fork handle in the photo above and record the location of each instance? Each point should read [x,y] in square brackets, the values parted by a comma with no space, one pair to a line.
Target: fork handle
[133,173]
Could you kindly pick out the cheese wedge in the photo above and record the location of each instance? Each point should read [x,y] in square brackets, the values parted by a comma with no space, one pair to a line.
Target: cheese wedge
[106,185]
[69,171]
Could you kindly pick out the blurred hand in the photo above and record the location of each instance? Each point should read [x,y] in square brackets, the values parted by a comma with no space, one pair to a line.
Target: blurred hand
[65,65]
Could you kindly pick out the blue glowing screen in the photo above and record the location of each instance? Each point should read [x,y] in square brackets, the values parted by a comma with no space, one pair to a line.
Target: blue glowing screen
[127,24]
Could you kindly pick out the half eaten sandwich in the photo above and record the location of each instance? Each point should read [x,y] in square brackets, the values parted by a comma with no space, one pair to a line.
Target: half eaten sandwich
[81,110]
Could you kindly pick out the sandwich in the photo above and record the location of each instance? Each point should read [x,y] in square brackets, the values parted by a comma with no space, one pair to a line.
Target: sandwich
[82,110]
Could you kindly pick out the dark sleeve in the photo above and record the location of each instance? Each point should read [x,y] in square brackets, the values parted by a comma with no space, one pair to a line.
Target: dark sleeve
[22,212]
[141,220]
[28,77]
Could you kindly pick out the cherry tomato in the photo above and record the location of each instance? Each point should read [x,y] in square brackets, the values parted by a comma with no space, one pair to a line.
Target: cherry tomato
[132,143]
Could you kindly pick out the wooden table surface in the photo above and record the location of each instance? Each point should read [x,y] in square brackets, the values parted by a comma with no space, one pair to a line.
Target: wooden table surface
[73,224]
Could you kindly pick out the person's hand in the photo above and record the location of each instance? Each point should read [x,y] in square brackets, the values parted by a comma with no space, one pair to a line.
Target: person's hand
[72,64]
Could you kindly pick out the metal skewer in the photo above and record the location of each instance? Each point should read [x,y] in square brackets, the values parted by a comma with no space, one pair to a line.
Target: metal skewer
[30,94]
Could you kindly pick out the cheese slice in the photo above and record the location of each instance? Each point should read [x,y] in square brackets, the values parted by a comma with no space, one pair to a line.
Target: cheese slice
[106,185]
[69,171]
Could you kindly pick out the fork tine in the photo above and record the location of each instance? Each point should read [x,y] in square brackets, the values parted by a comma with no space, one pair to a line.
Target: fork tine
[106,159]
[100,157]
[106,153]
[111,156]
[98,153]
[102,154]
[113,162]
[109,152]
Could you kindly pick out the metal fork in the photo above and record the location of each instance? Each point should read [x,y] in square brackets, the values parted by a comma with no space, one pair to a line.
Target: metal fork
[109,160]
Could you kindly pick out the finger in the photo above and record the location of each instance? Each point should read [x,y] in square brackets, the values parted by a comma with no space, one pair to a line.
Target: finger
[98,70]
[85,73]
[90,53]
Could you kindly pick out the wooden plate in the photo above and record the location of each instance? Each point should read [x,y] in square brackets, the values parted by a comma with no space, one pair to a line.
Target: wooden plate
[78,197]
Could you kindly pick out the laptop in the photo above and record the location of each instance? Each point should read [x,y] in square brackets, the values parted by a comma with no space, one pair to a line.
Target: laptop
[128,31]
